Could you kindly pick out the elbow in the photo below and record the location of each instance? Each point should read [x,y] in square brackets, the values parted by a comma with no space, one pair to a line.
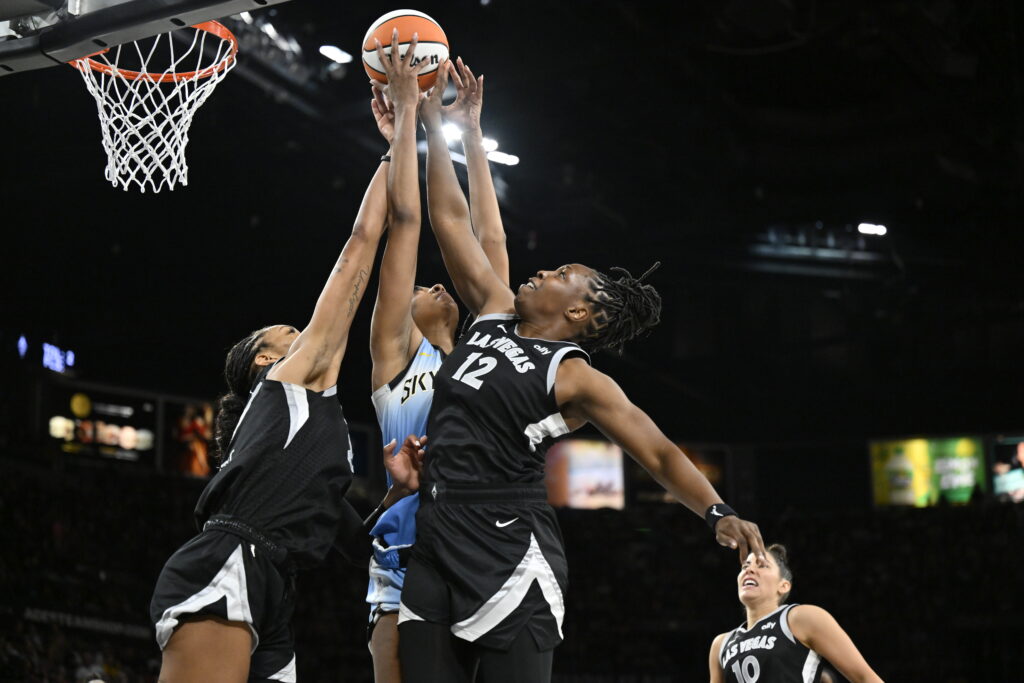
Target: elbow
[402,216]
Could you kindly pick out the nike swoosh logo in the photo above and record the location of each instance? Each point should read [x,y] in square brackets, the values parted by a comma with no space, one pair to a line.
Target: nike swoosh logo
[503,524]
[715,511]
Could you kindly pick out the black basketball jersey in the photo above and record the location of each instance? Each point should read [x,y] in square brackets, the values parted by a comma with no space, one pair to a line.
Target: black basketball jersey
[287,469]
[768,653]
[494,412]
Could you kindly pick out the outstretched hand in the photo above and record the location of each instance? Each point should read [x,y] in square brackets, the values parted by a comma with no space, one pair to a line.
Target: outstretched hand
[402,71]
[734,533]
[430,107]
[469,98]
[383,111]
[406,465]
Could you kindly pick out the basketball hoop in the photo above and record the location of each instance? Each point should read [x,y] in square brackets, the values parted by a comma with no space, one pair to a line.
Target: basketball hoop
[145,114]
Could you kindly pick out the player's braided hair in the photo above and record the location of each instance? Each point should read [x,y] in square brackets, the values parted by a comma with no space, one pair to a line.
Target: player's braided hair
[623,308]
[239,372]
[781,557]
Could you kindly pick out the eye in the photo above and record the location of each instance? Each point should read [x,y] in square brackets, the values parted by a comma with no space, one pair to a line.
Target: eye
[561,274]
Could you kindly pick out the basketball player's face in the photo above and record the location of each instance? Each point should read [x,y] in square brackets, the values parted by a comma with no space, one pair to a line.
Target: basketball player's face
[554,292]
[759,579]
[277,340]
[433,306]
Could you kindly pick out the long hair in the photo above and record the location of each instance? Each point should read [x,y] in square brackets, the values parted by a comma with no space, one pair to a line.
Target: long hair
[623,308]
[239,372]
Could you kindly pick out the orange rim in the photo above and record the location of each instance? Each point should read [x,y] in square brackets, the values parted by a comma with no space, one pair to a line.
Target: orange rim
[214,27]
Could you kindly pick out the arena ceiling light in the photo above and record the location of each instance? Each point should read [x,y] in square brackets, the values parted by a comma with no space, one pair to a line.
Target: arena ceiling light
[502,158]
[335,54]
[452,133]
[871,229]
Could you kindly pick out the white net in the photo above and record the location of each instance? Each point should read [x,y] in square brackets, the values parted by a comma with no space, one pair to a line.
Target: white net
[145,113]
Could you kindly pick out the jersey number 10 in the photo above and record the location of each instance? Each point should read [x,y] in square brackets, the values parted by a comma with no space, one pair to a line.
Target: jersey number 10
[472,378]
[749,671]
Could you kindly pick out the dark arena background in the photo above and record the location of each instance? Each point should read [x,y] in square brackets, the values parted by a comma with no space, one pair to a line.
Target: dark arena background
[835,191]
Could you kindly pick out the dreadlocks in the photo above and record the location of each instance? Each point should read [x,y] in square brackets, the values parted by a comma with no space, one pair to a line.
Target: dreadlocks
[623,308]
[239,372]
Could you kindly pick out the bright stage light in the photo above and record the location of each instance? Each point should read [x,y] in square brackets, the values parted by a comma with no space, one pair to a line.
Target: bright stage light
[502,158]
[489,144]
[335,54]
[451,132]
[871,229]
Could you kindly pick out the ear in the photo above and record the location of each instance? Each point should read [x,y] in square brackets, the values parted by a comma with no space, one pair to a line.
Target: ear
[265,359]
[577,314]
[785,587]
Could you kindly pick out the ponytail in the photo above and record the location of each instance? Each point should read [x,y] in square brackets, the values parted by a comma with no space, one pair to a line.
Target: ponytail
[239,373]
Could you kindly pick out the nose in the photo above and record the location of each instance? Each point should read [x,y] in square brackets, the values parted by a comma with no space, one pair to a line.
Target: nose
[541,274]
[437,289]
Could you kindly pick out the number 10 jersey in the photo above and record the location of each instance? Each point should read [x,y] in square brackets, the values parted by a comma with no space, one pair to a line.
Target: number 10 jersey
[494,412]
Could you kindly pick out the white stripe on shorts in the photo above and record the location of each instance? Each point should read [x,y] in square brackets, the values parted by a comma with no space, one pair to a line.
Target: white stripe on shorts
[287,674]
[229,583]
[533,567]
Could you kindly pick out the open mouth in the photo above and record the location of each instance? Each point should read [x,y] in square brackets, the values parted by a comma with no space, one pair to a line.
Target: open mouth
[749,582]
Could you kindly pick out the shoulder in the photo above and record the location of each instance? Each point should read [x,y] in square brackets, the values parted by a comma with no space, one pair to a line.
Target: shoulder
[715,655]
[806,620]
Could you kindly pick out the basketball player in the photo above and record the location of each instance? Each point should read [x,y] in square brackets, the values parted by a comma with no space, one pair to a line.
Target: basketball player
[409,337]
[487,576]
[781,643]
[223,603]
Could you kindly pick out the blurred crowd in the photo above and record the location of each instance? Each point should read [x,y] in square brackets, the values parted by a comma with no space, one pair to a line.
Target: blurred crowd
[927,595]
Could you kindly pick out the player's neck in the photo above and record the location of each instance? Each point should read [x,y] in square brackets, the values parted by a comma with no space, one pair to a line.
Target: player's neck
[441,336]
[552,331]
[759,611]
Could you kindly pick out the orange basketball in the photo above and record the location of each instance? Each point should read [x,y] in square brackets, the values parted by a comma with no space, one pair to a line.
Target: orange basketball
[432,46]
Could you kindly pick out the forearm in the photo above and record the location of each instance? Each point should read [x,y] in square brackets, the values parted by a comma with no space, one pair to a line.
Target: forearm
[370,219]
[483,204]
[674,471]
[445,201]
[403,188]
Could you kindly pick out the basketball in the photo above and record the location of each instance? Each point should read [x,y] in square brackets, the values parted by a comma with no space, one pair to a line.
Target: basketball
[433,44]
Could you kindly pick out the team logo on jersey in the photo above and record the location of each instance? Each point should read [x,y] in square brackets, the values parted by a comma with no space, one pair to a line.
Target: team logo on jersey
[770,624]
[424,381]
[506,346]
[543,349]
[758,643]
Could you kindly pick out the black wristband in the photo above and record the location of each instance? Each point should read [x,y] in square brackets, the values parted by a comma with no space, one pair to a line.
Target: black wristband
[385,157]
[717,512]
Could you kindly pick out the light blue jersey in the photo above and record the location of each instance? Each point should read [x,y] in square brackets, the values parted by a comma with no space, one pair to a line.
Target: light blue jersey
[402,406]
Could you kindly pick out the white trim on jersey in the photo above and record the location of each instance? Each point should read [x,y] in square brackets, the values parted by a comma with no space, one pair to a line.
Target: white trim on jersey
[555,360]
[229,583]
[810,666]
[247,405]
[553,425]
[287,674]
[493,316]
[533,567]
[784,623]
[298,409]
[405,614]
[332,391]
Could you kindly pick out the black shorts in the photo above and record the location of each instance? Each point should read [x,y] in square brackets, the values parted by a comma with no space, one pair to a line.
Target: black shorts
[234,577]
[488,563]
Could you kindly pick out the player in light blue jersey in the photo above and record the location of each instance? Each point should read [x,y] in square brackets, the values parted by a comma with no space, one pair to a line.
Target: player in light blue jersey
[410,336]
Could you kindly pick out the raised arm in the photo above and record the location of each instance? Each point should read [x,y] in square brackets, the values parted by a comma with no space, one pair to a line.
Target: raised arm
[478,285]
[584,394]
[819,631]
[393,336]
[483,201]
[315,356]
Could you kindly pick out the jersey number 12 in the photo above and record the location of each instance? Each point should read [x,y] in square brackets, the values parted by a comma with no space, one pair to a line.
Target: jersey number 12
[472,378]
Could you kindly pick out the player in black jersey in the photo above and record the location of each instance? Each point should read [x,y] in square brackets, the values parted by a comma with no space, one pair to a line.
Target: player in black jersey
[781,643]
[223,602]
[486,582]
[410,336]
